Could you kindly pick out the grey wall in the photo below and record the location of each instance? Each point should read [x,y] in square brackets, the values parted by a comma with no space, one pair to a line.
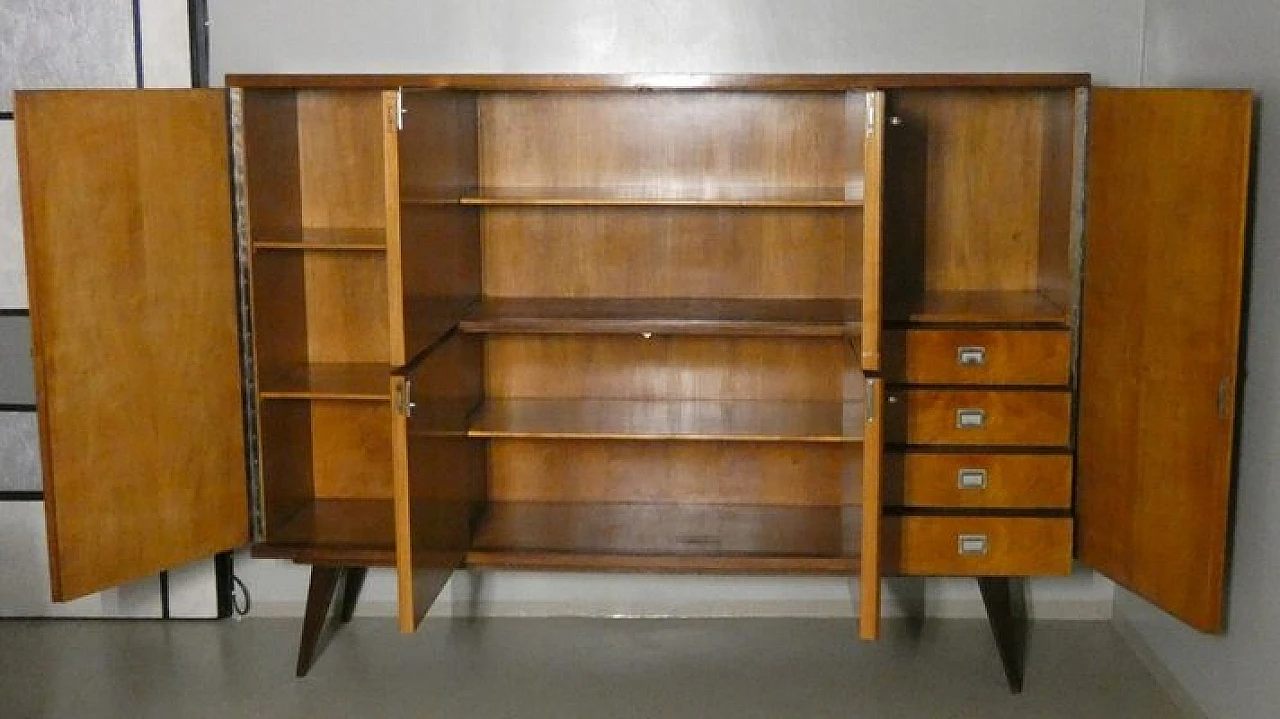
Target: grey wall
[1235,43]
[318,36]
[1099,36]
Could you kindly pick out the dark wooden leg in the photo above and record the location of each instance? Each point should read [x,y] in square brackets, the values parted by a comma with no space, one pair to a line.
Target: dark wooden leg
[324,581]
[351,592]
[1004,598]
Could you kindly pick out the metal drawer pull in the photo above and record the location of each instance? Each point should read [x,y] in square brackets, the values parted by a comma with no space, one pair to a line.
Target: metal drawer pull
[971,355]
[971,545]
[971,479]
[971,418]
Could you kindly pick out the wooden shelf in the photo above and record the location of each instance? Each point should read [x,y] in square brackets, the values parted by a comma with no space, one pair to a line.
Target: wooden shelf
[668,537]
[354,531]
[782,197]
[757,421]
[322,238]
[981,307]
[355,381]
[780,317]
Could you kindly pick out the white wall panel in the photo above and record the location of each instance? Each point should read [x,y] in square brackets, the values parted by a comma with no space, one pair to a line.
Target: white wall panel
[65,43]
[1098,36]
[24,575]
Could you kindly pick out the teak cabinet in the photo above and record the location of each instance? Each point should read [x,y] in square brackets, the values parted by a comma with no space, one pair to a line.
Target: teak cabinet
[970,325]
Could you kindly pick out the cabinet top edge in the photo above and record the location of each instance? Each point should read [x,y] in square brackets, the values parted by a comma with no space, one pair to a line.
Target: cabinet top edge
[665,81]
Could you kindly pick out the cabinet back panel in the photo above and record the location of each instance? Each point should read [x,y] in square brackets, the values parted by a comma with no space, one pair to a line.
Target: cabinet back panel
[340,158]
[323,450]
[279,311]
[671,368]
[674,472]
[965,173]
[320,307]
[672,252]
[671,141]
[285,451]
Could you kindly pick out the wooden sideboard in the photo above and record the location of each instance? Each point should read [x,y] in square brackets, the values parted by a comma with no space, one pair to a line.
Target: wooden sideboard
[968,325]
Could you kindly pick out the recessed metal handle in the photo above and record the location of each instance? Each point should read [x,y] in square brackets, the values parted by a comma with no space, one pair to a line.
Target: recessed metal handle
[971,545]
[971,418]
[971,479]
[971,355]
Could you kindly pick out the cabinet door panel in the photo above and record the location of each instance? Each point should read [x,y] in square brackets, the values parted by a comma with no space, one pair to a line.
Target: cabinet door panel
[872,231]
[1168,176]
[872,512]
[126,199]
[439,472]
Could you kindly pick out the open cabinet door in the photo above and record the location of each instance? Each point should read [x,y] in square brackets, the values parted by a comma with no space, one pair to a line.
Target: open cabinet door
[1167,188]
[439,470]
[130,261]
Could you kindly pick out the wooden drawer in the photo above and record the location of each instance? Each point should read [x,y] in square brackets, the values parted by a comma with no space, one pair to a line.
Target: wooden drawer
[976,546]
[1029,418]
[985,357]
[1003,481]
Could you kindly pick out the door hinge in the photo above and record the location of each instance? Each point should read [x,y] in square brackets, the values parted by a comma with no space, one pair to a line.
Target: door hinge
[400,108]
[404,405]
[871,401]
[871,114]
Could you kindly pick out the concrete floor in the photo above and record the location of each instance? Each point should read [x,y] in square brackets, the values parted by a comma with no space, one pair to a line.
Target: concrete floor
[565,668]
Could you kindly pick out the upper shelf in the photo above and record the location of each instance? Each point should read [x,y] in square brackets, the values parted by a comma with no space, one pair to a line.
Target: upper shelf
[758,317]
[321,238]
[764,197]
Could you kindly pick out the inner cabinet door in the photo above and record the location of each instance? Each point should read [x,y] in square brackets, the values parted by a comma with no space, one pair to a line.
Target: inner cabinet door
[1167,189]
[434,276]
[129,245]
[872,221]
[439,472]
[872,512]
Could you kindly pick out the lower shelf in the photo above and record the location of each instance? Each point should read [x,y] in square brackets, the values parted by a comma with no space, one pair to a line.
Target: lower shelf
[358,532]
[640,537]
[669,538]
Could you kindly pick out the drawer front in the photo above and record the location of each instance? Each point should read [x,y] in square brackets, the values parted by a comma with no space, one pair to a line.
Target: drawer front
[1001,481]
[986,357]
[978,417]
[977,546]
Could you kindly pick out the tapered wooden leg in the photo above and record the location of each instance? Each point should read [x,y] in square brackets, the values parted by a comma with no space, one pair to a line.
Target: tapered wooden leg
[324,581]
[351,587]
[1005,600]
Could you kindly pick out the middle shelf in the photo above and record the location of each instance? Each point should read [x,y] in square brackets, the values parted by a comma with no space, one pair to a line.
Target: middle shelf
[758,421]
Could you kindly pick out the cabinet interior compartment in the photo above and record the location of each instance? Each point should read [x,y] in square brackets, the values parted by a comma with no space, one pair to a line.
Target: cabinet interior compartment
[672,453]
[328,482]
[316,169]
[978,207]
